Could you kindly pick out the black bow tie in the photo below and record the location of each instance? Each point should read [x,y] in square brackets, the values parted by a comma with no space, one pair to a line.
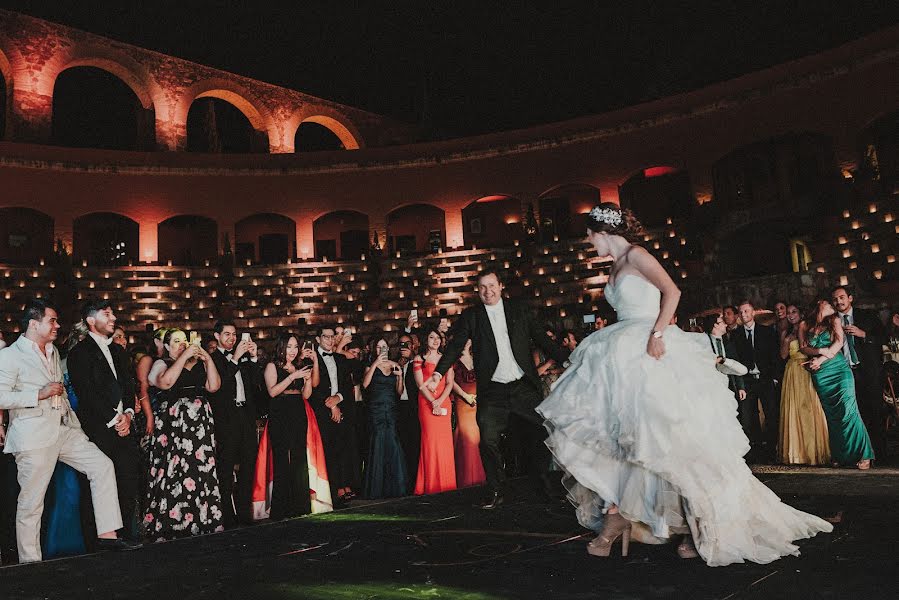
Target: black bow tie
[229,354]
[327,354]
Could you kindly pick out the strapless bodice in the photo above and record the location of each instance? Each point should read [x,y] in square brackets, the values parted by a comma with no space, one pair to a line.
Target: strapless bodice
[633,297]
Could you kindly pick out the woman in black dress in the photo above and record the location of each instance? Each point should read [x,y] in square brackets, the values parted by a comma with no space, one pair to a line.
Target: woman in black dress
[385,468]
[183,497]
[289,379]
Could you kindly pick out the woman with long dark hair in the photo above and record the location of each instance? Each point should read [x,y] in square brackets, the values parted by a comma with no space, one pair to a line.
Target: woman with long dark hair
[183,497]
[821,337]
[385,467]
[289,383]
[436,461]
[803,426]
[645,426]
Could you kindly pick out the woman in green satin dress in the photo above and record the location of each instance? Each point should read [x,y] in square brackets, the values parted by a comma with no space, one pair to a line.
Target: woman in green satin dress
[821,337]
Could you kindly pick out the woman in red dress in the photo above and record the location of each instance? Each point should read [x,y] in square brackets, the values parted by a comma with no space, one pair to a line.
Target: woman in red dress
[467,437]
[436,462]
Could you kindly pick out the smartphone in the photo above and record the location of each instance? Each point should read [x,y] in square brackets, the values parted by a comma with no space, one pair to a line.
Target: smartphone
[591,318]
[413,314]
[194,338]
[244,337]
[693,323]
[306,362]
[384,352]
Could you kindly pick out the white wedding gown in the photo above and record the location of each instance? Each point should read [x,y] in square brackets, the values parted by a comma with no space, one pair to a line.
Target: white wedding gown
[661,440]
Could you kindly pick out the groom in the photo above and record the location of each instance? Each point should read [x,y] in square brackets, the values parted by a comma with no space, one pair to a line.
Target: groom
[501,332]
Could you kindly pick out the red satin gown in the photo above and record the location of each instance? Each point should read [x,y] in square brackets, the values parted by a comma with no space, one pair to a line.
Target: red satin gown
[436,462]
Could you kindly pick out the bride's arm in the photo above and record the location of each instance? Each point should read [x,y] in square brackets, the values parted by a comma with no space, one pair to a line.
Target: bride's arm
[650,268]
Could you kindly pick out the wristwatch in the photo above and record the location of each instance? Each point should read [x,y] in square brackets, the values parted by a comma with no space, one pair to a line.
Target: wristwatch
[656,334]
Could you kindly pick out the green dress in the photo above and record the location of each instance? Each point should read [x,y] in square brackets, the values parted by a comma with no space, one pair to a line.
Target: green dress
[849,442]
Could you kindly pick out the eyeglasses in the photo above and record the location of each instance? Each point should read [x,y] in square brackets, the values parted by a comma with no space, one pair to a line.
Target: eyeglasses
[405,345]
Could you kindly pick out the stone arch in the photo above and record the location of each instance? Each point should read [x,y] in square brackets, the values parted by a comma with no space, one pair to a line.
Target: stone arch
[122,66]
[6,80]
[105,126]
[563,209]
[417,227]
[879,150]
[187,239]
[106,238]
[341,234]
[238,96]
[494,220]
[26,235]
[338,123]
[268,238]
[656,193]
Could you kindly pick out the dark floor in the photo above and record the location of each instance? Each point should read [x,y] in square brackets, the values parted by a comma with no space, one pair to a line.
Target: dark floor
[441,547]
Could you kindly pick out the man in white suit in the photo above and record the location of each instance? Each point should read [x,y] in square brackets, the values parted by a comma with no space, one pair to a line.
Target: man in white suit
[43,429]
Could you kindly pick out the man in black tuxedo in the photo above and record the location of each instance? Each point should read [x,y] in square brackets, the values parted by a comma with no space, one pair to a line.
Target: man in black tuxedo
[100,372]
[863,348]
[408,426]
[723,346]
[334,406]
[501,333]
[757,349]
[234,413]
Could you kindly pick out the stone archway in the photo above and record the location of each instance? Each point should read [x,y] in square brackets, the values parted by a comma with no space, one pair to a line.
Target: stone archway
[341,234]
[26,235]
[105,238]
[187,239]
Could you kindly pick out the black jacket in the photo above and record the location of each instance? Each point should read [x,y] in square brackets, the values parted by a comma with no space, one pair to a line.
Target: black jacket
[223,401]
[474,324]
[869,348]
[321,392]
[766,353]
[99,390]
[735,382]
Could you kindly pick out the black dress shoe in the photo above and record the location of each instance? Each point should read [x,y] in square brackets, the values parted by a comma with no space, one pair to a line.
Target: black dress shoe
[493,501]
[116,544]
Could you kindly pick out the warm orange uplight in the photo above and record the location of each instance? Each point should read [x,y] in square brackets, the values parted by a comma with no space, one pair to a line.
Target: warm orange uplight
[658,171]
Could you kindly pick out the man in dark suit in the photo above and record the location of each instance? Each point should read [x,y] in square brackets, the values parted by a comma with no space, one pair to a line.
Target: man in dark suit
[723,346]
[863,348]
[100,372]
[334,406]
[234,413]
[408,426]
[501,333]
[757,349]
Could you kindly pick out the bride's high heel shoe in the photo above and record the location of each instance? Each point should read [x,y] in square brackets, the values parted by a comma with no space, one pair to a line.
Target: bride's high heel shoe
[615,526]
[687,549]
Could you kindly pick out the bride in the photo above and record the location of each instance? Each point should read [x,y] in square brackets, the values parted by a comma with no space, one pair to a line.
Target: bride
[646,429]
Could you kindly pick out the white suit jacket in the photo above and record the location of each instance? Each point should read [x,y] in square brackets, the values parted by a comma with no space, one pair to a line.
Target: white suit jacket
[32,424]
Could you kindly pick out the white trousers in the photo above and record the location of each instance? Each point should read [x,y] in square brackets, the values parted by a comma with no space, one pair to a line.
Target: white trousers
[35,471]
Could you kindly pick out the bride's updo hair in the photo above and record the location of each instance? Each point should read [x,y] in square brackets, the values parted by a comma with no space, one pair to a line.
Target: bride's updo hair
[608,217]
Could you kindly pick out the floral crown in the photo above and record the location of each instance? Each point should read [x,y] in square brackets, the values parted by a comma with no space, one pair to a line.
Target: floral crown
[609,216]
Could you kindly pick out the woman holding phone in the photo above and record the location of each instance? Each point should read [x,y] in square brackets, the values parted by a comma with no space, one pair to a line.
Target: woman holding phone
[436,461]
[183,497]
[289,379]
[385,468]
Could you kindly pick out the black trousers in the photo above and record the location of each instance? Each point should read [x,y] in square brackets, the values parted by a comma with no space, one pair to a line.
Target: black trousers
[287,430]
[873,410]
[236,446]
[341,451]
[124,453]
[409,430]
[509,407]
[760,391]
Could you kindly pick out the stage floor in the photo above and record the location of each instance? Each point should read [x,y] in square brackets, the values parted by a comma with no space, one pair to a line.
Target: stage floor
[442,547]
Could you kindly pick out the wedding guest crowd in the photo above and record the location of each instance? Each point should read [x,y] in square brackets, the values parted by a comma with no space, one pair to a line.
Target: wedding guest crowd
[186,436]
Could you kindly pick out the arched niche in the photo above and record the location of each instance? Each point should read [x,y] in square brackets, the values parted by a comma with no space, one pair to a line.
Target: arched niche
[26,235]
[341,234]
[105,238]
[492,221]
[563,210]
[265,237]
[187,239]
[416,228]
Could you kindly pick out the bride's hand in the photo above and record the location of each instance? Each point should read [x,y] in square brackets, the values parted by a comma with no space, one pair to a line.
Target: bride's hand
[655,347]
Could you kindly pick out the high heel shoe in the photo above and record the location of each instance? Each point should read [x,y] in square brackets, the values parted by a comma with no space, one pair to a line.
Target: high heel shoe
[615,526]
[687,549]
[864,465]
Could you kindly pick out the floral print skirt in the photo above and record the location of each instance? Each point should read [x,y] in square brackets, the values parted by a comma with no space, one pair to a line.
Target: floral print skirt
[183,497]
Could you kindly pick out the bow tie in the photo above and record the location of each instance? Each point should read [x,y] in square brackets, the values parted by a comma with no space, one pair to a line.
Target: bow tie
[327,354]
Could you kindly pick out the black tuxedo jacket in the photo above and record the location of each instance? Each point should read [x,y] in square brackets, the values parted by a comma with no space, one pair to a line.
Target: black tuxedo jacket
[736,381]
[224,407]
[869,349]
[766,353]
[321,392]
[474,324]
[98,389]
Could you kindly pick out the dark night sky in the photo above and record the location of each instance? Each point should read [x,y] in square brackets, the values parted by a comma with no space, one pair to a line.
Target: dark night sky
[486,66]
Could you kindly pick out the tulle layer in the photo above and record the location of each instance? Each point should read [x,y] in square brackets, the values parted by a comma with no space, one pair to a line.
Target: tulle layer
[661,440]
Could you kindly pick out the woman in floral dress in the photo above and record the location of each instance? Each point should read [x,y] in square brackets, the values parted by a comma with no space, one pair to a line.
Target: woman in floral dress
[183,497]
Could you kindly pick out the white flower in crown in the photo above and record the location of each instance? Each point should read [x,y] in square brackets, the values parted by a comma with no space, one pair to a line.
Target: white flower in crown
[610,216]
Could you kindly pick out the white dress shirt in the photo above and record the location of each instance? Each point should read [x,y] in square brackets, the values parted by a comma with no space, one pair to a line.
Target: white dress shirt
[240,393]
[405,394]
[104,343]
[331,365]
[507,369]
